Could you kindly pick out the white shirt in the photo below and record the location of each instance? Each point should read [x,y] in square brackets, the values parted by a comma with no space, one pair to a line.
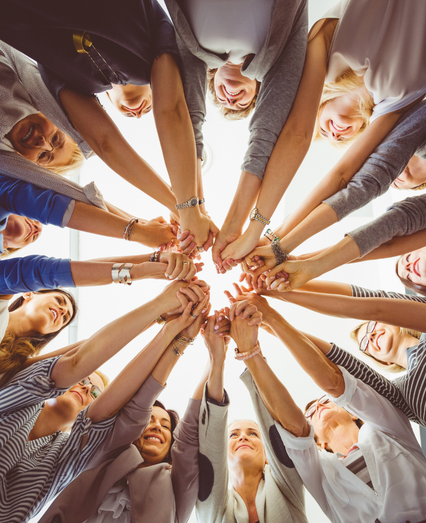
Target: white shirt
[394,460]
[4,317]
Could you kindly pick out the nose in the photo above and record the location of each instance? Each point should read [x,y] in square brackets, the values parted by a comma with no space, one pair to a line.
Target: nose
[41,142]
[335,135]
[243,437]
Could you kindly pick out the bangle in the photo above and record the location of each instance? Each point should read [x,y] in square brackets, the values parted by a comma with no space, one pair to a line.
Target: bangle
[270,235]
[184,340]
[154,257]
[128,229]
[120,273]
[160,320]
[241,356]
[176,350]
[280,255]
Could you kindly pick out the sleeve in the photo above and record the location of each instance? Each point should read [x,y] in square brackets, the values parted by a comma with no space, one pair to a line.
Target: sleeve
[282,467]
[29,387]
[276,97]
[372,378]
[400,219]
[360,292]
[194,78]
[164,40]
[185,462]
[33,273]
[130,422]
[385,164]
[371,407]
[212,461]
[25,199]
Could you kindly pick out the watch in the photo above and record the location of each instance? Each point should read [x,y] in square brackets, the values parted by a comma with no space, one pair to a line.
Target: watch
[200,202]
[254,215]
[270,235]
[192,202]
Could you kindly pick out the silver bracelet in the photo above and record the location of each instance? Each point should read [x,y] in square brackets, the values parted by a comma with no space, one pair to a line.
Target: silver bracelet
[120,273]
[154,257]
[280,255]
[128,229]
[176,350]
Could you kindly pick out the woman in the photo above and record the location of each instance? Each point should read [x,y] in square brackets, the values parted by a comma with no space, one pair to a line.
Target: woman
[265,485]
[346,38]
[90,54]
[35,450]
[413,176]
[162,474]
[350,468]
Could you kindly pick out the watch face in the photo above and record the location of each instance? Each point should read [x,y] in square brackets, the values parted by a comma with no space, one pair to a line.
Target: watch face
[193,202]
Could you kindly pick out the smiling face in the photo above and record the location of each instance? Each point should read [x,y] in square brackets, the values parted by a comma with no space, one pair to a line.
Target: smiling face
[413,176]
[412,266]
[245,448]
[384,342]
[339,118]
[38,140]
[77,398]
[233,90]
[155,442]
[45,313]
[20,231]
[131,100]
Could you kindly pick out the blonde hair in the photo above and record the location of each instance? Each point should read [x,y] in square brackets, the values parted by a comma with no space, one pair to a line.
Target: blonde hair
[75,162]
[229,114]
[8,252]
[104,378]
[14,352]
[346,83]
[393,367]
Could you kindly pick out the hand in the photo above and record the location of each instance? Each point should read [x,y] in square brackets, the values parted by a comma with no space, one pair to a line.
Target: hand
[201,227]
[175,296]
[244,324]
[252,298]
[193,330]
[298,273]
[223,239]
[179,266]
[259,261]
[189,316]
[157,232]
[235,251]
[216,344]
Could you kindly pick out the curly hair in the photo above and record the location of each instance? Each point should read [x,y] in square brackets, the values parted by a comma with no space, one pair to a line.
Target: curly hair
[229,114]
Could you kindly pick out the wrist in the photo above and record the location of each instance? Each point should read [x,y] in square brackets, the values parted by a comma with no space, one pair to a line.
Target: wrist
[246,346]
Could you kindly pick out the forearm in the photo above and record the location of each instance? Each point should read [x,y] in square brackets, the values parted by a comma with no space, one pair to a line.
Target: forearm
[215,380]
[198,392]
[397,246]
[244,200]
[92,273]
[118,212]
[70,349]
[167,362]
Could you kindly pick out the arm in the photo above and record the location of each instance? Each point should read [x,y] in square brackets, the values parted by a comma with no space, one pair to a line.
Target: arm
[104,137]
[70,349]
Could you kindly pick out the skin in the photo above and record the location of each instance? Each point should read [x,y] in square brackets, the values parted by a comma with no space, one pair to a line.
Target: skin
[151,450]
[413,175]
[245,447]
[40,314]
[20,231]
[132,101]
[44,138]
[412,266]
[233,90]
[338,119]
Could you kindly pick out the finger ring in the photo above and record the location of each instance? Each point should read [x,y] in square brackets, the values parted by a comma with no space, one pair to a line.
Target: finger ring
[201,249]
[184,262]
[193,315]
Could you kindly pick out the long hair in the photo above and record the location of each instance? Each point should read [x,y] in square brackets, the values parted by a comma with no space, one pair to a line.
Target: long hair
[346,83]
[75,162]
[14,351]
[416,287]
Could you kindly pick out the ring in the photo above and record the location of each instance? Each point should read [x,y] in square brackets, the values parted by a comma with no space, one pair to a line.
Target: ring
[184,262]
[193,315]
[201,249]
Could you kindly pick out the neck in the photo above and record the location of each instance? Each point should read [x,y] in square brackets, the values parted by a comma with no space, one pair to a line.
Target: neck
[343,437]
[401,356]
[246,482]
[49,421]
[19,325]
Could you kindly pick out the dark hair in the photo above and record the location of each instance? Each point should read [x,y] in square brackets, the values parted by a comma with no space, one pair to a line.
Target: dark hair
[416,287]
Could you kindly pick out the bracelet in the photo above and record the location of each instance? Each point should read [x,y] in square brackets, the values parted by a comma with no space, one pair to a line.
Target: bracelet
[154,257]
[160,320]
[128,229]
[176,350]
[270,235]
[280,255]
[200,202]
[120,273]
[184,340]
[241,356]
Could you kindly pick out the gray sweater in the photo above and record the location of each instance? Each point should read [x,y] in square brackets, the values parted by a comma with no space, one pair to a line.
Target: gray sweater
[387,162]
[278,65]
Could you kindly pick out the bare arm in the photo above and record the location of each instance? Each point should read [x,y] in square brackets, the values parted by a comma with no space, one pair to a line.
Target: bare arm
[70,349]
[104,137]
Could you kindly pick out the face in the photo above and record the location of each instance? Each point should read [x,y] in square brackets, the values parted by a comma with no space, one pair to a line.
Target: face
[412,266]
[233,90]
[338,120]
[156,440]
[413,175]
[383,342]
[20,231]
[245,445]
[131,100]
[47,312]
[38,140]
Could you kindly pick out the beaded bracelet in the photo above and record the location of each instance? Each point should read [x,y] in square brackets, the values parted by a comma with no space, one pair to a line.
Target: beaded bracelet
[176,350]
[280,255]
[241,356]
[154,256]
[184,340]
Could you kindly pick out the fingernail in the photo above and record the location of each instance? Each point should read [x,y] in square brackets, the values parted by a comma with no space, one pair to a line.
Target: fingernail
[268,288]
[216,327]
[203,311]
[220,318]
[221,334]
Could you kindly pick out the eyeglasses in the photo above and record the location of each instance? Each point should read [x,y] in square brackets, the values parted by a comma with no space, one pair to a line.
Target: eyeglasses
[46,156]
[312,409]
[95,391]
[363,344]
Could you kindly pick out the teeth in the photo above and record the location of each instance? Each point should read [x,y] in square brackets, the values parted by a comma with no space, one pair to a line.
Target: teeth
[154,438]
[30,130]
[55,315]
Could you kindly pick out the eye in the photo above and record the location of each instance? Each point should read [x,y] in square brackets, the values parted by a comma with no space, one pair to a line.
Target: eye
[166,427]
[253,434]
[44,158]
[55,139]
[232,435]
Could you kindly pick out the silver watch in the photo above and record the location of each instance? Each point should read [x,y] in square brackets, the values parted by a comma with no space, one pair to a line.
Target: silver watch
[192,202]
[254,215]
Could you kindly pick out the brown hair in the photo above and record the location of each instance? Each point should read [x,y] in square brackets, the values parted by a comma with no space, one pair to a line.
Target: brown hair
[15,351]
[75,162]
[393,367]
[345,84]
[229,114]
[416,287]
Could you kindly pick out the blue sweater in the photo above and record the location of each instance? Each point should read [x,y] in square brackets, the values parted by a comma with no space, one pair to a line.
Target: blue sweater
[32,273]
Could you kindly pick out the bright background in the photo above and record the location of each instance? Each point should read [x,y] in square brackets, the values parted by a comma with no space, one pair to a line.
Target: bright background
[226,143]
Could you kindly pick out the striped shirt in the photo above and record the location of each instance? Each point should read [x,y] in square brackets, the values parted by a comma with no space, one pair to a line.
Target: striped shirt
[33,472]
[408,392]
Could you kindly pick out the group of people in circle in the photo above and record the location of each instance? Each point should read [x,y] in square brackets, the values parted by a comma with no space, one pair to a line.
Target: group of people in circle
[112,452]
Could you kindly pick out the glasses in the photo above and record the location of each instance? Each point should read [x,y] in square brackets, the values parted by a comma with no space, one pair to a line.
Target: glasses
[95,391]
[363,344]
[312,409]
[46,156]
